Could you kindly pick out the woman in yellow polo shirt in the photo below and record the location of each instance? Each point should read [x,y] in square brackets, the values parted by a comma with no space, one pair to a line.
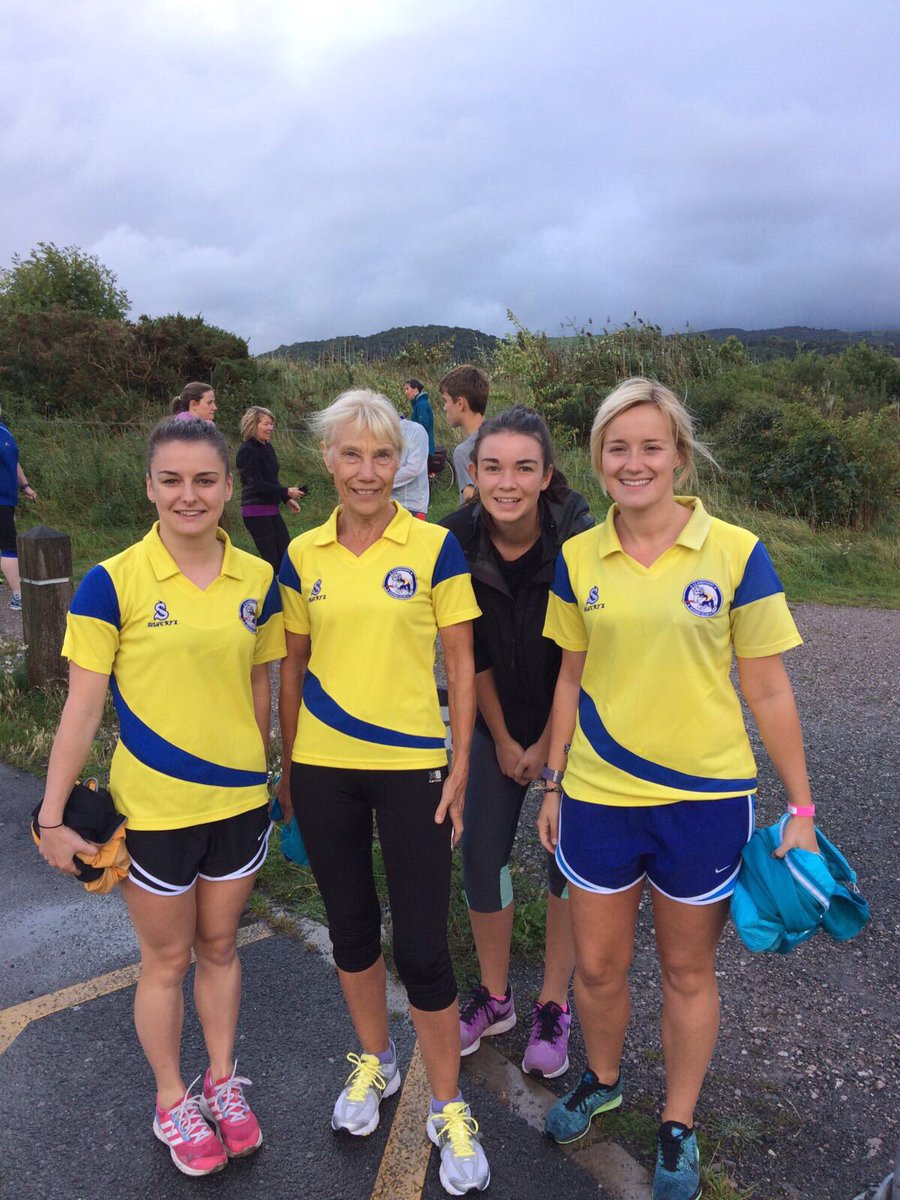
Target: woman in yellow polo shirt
[365,596]
[181,628]
[650,772]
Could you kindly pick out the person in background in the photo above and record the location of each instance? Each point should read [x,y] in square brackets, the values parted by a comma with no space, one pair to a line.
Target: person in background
[261,493]
[511,537]
[366,596]
[195,400]
[12,482]
[650,772]
[411,481]
[181,627]
[464,391]
[420,410]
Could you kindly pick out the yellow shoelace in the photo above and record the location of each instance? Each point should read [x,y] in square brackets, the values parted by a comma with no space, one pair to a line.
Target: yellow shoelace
[366,1074]
[459,1127]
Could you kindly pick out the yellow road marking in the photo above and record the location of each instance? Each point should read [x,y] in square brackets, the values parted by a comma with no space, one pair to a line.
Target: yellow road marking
[18,1017]
[401,1175]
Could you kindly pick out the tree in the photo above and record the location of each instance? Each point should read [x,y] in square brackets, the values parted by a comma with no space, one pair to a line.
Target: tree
[68,278]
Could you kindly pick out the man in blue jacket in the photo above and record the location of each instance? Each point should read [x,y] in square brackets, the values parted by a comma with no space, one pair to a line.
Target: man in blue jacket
[12,478]
[421,409]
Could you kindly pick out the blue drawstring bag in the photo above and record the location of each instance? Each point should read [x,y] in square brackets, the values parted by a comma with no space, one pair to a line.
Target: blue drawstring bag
[292,843]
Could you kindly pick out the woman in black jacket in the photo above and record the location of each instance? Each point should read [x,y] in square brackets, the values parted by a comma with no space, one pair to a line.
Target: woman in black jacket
[510,538]
[261,493]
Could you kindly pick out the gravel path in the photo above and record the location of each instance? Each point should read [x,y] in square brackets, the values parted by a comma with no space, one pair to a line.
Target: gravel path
[805,1083]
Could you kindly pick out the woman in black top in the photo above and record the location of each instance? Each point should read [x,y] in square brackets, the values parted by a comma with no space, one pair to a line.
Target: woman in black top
[510,538]
[261,493]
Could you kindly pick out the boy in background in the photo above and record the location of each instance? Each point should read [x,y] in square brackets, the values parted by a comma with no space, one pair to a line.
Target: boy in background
[464,391]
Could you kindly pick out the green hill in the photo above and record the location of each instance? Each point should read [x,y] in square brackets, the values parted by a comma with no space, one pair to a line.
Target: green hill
[466,344]
[790,340]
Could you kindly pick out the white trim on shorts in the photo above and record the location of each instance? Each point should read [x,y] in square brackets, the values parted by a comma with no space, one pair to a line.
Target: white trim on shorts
[162,888]
[574,877]
[252,866]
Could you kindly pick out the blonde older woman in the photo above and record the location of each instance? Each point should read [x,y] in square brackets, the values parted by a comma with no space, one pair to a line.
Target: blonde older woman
[261,493]
[367,594]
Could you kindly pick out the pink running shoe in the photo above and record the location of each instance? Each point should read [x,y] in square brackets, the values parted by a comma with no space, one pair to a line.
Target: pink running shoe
[194,1147]
[548,1043]
[223,1105]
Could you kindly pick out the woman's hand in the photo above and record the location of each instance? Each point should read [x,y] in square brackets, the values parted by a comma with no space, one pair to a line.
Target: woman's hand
[799,834]
[58,845]
[293,506]
[509,754]
[531,763]
[548,821]
[453,798]
[284,795]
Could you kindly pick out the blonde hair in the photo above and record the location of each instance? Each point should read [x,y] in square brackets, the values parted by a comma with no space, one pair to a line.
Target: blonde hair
[638,390]
[251,419]
[364,409]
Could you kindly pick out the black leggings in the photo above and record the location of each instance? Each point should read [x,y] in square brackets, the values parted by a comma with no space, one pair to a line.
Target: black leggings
[335,807]
[270,536]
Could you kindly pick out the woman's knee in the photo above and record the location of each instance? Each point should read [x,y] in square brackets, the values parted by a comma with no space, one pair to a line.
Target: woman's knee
[603,971]
[689,979]
[165,965]
[216,951]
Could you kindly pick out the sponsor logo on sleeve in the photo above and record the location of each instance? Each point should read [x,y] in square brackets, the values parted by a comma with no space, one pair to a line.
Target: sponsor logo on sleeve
[401,583]
[702,597]
[160,616]
[593,600]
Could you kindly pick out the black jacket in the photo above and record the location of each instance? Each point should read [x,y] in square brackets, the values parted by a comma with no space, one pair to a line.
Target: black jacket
[258,468]
[509,633]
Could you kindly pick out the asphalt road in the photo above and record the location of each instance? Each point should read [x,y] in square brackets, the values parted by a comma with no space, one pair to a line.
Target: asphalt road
[77,1094]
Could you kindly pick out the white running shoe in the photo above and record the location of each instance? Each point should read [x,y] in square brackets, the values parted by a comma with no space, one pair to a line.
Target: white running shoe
[454,1131]
[356,1108]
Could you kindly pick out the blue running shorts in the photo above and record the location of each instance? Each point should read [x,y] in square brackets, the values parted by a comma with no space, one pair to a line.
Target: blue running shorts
[690,850]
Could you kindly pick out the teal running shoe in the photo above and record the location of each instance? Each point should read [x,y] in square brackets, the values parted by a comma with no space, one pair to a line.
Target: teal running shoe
[677,1175]
[570,1118]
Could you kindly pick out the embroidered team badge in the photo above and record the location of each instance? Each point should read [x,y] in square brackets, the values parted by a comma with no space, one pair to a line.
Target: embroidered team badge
[703,598]
[247,613]
[316,588]
[160,612]
[401,583]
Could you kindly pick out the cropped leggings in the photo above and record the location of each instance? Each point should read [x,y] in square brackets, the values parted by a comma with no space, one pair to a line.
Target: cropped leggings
[336,809]
[493,806]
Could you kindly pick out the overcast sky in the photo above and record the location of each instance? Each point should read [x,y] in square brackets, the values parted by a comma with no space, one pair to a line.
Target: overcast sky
[294,170]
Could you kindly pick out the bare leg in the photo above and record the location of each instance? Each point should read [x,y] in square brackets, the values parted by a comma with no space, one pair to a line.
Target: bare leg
[366,996]
[438,1034]
[603,929]
[493,933]
[217,981]
[687,937]
[559,953]
[164,926]
[10,568]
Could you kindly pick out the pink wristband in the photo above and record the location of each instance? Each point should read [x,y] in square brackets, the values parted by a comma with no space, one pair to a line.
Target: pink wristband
[806,810]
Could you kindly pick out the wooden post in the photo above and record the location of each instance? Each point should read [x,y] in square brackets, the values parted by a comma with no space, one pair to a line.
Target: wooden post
[45,565]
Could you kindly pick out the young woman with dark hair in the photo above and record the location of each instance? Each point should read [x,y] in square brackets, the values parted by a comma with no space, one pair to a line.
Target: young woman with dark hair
[511,538]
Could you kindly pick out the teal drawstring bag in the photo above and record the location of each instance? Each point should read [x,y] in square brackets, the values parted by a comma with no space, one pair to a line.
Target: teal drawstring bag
[290,840]
[780,902]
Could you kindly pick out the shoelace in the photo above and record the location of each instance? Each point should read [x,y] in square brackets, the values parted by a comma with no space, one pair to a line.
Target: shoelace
[589,1083]
[366,1073]
[230,1097]
[459,1128]
[187,1117]
[479,999]
[545,1021]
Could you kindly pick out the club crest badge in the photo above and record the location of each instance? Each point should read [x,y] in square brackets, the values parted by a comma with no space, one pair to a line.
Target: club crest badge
[401,583]
[248,611]
[702,597]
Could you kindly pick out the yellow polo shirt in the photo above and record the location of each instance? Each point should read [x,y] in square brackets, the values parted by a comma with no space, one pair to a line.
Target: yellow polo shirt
[658,717]
[179,659]
[369,695]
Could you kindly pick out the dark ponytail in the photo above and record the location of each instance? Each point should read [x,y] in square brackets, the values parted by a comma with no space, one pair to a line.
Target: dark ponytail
[189,393]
